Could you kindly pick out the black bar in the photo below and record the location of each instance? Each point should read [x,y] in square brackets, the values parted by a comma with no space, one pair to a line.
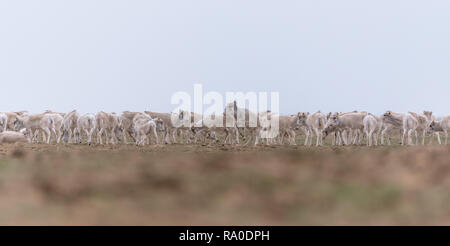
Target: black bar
[223,235]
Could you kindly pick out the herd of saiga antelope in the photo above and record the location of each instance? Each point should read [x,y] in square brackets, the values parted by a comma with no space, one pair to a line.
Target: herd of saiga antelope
[345,128]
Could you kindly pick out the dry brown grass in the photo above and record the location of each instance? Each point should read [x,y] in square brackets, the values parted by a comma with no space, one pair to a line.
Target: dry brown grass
[223,185]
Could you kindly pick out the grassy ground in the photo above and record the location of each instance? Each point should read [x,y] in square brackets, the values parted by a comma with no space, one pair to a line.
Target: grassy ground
[217,185]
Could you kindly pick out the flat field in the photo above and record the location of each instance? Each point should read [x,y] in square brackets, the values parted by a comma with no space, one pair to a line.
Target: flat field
[224,185]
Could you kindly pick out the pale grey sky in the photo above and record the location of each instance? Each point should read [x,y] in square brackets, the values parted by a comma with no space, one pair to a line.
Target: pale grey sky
[115,55]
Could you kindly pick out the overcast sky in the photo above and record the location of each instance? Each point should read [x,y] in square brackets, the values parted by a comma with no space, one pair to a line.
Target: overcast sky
[117,55]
